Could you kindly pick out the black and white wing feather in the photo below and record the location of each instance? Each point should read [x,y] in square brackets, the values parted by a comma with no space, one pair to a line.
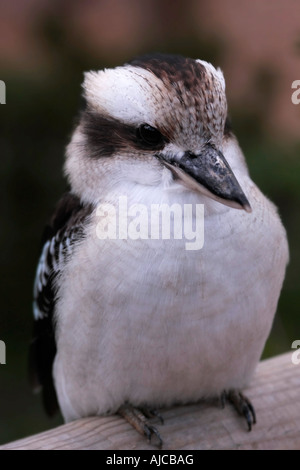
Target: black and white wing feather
[60,237]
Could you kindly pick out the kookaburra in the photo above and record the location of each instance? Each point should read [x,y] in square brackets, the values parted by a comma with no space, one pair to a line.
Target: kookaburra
[130,325]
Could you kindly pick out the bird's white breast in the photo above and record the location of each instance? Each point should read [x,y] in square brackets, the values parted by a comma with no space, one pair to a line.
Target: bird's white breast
[147,321]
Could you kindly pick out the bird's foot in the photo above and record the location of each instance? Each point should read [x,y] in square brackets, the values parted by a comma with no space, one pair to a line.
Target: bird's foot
[241,403]
[151,413]
[137,417]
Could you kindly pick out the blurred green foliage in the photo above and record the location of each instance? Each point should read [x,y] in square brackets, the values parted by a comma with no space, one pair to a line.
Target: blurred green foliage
[35,125]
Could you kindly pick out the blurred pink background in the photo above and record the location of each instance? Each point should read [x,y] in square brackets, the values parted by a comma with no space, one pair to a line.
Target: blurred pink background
[260,33]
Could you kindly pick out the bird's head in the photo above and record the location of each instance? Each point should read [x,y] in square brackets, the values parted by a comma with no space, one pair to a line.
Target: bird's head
[154,120]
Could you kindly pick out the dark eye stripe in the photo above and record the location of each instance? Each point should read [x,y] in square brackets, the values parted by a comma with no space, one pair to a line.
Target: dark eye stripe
[106,136]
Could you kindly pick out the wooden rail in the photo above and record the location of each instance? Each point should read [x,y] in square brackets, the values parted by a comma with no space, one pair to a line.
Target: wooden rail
[274,391]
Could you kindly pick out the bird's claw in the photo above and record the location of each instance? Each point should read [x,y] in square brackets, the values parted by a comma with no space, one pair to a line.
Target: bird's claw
[150,431]
[242,404]
[151,413]
[137,418]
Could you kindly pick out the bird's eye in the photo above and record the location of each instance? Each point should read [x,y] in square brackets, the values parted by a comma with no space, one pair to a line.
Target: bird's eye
[149,135]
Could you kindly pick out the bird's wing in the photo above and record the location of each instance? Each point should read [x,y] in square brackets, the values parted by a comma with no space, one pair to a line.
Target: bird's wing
[60,237]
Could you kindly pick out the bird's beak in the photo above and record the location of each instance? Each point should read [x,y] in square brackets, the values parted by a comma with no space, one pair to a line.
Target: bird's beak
[210,174]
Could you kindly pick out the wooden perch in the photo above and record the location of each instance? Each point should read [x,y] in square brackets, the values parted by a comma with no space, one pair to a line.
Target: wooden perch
[274,392]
